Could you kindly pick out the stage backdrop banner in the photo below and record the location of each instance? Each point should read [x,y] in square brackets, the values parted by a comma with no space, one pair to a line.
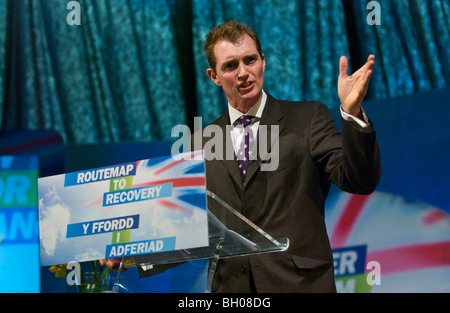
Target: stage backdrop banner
[19,244]
[142,207]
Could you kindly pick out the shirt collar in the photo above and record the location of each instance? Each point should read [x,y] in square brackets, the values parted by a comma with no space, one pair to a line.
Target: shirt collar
[256,110]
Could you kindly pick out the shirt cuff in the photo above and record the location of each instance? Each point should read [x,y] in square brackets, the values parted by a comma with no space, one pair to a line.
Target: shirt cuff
[351,118]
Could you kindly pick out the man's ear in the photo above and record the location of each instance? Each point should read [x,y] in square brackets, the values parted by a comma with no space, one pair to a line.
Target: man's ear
[212,74]
[263,57]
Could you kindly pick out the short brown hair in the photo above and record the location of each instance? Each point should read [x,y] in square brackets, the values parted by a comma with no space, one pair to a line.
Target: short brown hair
[231,31]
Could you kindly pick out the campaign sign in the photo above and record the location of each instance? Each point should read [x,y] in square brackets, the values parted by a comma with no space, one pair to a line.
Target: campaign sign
[19,244]
[350,269]
[147,206]
[385,242]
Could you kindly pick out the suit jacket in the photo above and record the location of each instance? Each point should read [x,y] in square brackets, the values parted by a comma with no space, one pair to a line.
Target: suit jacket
[289,201]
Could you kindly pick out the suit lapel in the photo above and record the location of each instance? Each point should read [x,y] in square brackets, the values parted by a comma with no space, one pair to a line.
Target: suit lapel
[230,163]
[271,116]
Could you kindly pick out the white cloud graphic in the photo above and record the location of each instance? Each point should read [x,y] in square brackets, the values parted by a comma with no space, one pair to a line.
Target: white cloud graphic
[55,215]
[89,254]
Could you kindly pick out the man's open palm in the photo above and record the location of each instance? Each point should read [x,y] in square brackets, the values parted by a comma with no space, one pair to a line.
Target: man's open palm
[353,89]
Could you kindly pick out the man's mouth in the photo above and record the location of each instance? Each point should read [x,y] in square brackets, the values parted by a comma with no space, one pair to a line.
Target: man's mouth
[245,85]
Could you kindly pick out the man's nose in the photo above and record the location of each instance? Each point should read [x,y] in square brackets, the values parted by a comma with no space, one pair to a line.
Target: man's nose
[242,71]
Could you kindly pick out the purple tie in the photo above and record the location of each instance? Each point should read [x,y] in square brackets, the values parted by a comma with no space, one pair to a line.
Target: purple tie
[244,151]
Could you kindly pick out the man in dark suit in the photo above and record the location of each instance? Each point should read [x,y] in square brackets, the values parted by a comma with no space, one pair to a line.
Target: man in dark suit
[286,201]
[283,195]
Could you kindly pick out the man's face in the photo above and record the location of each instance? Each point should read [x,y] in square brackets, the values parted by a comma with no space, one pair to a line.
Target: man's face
[239,71]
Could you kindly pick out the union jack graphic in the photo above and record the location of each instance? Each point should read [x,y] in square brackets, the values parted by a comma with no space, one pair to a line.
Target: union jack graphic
[187,176]
[411,240]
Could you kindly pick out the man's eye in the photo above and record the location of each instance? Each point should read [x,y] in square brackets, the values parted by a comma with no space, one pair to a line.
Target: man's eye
[250,59]
[230,66]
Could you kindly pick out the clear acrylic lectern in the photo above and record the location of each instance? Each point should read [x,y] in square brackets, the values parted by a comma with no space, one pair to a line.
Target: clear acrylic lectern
[230,234]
